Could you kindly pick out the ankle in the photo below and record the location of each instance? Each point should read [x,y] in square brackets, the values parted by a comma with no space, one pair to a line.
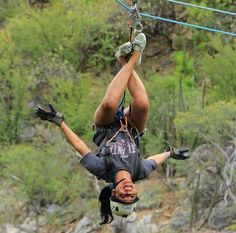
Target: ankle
[122,60]
[135,56]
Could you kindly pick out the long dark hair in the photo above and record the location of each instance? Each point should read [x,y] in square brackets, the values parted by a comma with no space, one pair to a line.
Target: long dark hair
[105,209]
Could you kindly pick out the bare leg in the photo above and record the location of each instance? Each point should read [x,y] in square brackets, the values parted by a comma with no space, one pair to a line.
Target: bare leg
[105,113]
[138,115]
[140,103]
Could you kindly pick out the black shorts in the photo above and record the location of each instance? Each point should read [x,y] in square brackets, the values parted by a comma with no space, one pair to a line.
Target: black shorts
[104,133]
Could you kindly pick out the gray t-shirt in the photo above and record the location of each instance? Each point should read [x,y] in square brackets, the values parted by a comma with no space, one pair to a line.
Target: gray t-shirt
[96,164]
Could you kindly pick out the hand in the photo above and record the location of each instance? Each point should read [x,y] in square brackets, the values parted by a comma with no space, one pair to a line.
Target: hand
[51,116]
[179,154]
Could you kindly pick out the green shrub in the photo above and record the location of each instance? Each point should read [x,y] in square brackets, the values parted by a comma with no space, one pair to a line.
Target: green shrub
[75,94]
[218,71]
[214,123]
[67,26]
[41,176]
[169,95]
[14,94]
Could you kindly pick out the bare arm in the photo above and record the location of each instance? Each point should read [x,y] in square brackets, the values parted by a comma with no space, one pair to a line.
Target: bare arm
[160,158]
[74,140]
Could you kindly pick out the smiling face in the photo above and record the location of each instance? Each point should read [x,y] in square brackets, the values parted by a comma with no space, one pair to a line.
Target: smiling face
[125,191]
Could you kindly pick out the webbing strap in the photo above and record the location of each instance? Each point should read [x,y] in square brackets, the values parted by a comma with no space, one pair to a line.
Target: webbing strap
[108,157]
[120,112]
[123,128]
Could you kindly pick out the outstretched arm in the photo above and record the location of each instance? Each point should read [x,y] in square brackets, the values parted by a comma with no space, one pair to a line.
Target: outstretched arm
[74,140]
[170,152]
[57,118]
[160,158]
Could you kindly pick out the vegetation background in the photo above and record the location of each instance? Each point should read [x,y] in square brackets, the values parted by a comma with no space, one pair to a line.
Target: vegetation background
[62,51]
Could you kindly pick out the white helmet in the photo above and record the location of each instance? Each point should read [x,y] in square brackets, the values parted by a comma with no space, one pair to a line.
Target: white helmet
[123,209]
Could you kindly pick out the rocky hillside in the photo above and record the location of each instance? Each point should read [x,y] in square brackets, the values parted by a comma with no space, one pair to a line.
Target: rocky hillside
[63,52]
[192,202]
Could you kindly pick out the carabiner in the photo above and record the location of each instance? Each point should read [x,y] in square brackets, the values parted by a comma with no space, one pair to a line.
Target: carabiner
[138,27]
[131,20]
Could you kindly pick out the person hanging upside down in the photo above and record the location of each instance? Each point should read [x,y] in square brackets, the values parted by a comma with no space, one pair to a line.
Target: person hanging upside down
[117,135]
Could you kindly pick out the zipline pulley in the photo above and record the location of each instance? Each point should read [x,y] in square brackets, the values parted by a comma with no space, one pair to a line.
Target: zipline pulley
[134,20]
[135,23]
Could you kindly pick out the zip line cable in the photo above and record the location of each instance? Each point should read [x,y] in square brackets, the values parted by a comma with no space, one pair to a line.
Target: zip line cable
[177,22]
[202,7]
[188,24]
[125,6]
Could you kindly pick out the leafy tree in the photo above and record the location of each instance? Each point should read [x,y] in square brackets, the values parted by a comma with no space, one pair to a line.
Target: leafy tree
[8,9]
[61,54]
[69,27]
[214,123]
[218,71]
[14,96]
[168,95]
[72,93]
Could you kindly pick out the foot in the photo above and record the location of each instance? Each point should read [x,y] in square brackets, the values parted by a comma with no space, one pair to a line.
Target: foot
[128,48]
[124,50]
[139,44]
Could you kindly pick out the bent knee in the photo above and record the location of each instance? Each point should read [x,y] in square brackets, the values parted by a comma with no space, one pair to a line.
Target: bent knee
[142,106]
[109,105]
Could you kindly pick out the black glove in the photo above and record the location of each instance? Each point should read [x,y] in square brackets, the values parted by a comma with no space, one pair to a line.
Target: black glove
[179,154]
[51,116]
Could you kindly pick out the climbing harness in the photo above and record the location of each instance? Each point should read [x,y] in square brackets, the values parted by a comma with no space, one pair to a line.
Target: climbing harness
[108,151]
[123,128]
[183,23]
[120,112]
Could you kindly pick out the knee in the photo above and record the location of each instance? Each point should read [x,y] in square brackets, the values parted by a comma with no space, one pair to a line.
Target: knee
[143,105]
[109,104]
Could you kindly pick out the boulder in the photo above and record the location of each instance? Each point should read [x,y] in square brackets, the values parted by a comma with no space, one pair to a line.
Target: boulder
[132,225]
[147,224]
[29,225]
[9,228]
[28,133]
[85,225]
[181,218]
[222,216]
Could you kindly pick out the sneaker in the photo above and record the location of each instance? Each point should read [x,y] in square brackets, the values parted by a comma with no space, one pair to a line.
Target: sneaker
[139,44]
[124,50]
[127,48]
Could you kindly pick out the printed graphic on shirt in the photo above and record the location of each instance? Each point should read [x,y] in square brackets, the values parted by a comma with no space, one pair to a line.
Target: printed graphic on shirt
[123,148]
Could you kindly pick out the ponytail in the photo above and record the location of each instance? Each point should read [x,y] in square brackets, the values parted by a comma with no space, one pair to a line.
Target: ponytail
[105,209]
